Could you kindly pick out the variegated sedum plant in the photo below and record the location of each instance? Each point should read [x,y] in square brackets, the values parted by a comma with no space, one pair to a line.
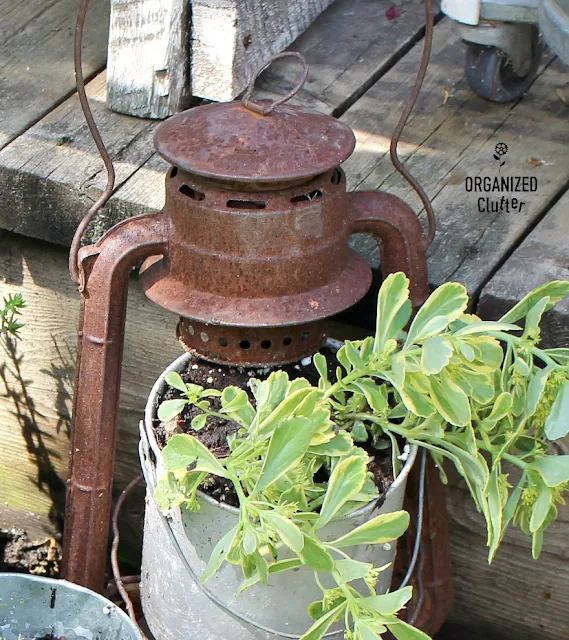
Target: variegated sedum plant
[482,395]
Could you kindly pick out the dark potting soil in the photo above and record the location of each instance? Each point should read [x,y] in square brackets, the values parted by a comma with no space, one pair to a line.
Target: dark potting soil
[214,434]
[19,554]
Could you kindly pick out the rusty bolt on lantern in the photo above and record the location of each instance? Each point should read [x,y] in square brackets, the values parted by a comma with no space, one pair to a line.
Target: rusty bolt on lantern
[251,251]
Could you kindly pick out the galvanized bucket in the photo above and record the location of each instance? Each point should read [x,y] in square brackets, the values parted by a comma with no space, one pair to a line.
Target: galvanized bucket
[32,607]
[177,548]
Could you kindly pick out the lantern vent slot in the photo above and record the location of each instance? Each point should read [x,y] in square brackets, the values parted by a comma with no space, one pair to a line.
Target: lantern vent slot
[223,342]
[311,195]
[174,172]
[266,344]
[246,204]
[194,194]
[245,344]
[336,176]
[287,341]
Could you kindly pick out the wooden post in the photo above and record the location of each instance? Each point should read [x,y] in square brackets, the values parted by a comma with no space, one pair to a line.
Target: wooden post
[157,62]
[148,73]
[231,39]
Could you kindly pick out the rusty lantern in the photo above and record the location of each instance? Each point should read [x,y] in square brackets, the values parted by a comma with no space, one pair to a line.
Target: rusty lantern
[251,251]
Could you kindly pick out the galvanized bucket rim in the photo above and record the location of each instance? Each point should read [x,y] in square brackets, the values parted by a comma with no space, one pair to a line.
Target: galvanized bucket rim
[71,586]
[150,415]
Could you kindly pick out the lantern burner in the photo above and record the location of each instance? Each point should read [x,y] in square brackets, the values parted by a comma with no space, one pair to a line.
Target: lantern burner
[251,346]
[254,273]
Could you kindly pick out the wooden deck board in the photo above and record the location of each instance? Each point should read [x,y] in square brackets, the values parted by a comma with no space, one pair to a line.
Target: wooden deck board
[348,47]
[36,381]
[515,597]
[36,53]
[51,174]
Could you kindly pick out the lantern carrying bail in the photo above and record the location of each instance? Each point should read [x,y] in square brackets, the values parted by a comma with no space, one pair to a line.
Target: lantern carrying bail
[266,109]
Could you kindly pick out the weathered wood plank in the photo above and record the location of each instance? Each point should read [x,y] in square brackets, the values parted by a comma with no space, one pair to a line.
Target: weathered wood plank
[537,127]
[515,596]
[33,523]
[148,66]
[374,116]
[163,51]
[36,53]
[451,137]
[36,382]
[50,175]
[543,256]
[232,39]
[349,46]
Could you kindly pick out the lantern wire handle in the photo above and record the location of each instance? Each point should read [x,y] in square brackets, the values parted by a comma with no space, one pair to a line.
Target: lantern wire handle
[265,110]
[401,168]
[74,270]
[115,551]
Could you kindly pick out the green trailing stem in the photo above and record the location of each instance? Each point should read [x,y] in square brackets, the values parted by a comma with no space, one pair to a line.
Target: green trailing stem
[481,395]
[9,315]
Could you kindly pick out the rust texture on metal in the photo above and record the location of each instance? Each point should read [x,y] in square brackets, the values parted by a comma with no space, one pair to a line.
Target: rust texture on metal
[106,267]
[409,105]
[252,346]
[396,227]
[74,270]
[263,109]
[230,142]
[276,258]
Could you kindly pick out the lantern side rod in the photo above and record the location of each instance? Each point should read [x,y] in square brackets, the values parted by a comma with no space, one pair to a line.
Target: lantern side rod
[107,267]
[397,163]
[74,270]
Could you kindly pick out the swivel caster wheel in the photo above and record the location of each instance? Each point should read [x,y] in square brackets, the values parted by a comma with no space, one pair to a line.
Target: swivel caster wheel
[491,73]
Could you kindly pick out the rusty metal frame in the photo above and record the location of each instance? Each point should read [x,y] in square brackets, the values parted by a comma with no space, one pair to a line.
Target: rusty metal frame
[106,267]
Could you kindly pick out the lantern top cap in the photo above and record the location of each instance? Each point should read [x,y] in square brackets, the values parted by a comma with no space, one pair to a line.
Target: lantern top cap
[255,141]
[229,141]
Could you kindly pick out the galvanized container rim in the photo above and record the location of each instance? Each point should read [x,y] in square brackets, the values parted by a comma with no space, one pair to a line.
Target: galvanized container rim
[150,416]
[71,586]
